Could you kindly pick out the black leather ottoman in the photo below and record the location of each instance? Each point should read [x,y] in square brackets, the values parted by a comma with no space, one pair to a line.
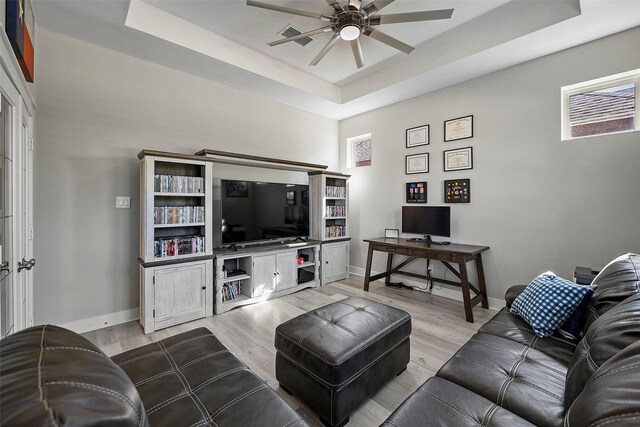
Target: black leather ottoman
[337,356]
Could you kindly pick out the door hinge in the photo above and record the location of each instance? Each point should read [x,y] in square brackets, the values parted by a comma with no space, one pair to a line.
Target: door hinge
[154,312]
[30,233]
[154,280]
[30,144]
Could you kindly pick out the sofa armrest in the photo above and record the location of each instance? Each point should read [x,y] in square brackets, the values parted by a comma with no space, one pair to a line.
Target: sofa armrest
[512,293]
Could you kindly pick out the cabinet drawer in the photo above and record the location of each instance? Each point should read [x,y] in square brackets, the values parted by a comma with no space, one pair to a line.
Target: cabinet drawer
[399,251]
[446,257]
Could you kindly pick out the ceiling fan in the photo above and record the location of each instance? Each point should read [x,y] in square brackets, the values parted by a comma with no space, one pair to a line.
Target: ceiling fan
[350,21]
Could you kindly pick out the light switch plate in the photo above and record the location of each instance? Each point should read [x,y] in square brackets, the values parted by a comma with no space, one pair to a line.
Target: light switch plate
[123,202]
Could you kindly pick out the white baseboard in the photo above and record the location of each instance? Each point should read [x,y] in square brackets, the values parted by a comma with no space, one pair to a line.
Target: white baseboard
[494,303]
[92,323]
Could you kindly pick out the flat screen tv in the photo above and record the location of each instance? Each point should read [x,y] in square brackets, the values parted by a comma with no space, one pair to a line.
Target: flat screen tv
[426,220]
[254,211]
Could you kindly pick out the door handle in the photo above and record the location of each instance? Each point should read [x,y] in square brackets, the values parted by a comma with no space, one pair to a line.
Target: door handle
[26,265]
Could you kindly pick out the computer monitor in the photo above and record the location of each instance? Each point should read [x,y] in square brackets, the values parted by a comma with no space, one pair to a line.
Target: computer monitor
[427,220]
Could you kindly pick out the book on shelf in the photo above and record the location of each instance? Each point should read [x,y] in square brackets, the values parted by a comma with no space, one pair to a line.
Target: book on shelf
[231,290]
[335,231]
[334,211]
[178,184]
[178,214]
[173,246]
[334,191]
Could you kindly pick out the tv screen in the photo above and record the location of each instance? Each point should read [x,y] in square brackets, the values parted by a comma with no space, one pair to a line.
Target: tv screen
[426,220]
[253,211]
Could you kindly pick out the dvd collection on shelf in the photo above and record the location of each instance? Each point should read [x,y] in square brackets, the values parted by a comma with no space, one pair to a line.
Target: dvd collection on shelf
[333,191]
[178,214]
[334,211]
[173,246]
[335,231]
[178,184]
[231,290]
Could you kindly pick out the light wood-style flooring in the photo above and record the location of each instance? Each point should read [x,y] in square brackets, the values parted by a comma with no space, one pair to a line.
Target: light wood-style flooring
[439,330]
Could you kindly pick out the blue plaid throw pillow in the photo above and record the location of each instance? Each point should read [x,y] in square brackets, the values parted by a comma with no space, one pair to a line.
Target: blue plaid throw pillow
[547,302]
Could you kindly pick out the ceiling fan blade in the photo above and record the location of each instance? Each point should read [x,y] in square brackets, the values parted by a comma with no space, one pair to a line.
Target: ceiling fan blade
[300,36]
[325,49]
[285,9]
[335,5]
[396,18]
[355,4]
[357,52]
[388,40]
[375,6]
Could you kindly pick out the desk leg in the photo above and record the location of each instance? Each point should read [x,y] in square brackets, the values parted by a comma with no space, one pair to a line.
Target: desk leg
[387,279]
[367,272]
[464,281]
[481,283]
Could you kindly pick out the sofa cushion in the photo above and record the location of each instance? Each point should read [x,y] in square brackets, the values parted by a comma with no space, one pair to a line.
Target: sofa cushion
[612,394]
[547,302]
[512,375]
[193,379]
[607,335]
[617,281]
[52,376]
[512,327]
[439,402]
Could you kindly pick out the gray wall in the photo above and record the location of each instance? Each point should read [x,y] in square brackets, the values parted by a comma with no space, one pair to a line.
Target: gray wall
[96,110]
[539,203]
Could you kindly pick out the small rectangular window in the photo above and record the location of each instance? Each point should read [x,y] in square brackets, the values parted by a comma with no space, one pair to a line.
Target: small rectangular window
[602,106]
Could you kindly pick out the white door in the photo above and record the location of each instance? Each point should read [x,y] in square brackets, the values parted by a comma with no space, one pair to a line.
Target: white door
[23,218]
[179,294]
[287,270]
[335,260]
[7,287]
[264,275]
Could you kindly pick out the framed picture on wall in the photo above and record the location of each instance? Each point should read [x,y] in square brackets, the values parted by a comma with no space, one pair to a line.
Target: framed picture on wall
[417,163]
[417,136]
[457,191]
[458,159]
[416,192]
[460,128]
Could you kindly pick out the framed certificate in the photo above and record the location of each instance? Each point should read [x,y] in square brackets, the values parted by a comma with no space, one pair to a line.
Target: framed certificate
[417,136]
[417,163]
[458,159]
[460,128]
[391,233]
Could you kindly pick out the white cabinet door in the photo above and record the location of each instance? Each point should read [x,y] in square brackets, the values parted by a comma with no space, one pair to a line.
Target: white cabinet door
[335,260]
[287,270]
[179,294]
[264,275]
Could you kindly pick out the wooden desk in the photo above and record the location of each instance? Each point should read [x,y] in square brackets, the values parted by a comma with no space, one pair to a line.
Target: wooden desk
[454,253]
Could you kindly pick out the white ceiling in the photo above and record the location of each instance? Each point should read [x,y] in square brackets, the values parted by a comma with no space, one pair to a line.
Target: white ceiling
[225,41]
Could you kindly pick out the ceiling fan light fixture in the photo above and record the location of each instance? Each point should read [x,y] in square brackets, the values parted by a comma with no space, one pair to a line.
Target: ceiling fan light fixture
[349,32]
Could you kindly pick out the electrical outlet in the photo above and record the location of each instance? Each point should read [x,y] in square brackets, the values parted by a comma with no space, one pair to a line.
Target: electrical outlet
[123,202]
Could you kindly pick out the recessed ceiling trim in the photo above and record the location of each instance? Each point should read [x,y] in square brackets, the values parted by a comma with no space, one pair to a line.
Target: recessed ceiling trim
[158,23]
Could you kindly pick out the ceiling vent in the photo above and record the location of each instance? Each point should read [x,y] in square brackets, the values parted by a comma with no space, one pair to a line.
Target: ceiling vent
[289,31]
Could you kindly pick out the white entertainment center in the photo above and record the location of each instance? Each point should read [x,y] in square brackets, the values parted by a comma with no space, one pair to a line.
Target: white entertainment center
[187,272]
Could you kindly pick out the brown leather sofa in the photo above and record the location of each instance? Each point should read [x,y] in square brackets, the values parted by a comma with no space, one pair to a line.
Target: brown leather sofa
[50,376]
[507,376]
